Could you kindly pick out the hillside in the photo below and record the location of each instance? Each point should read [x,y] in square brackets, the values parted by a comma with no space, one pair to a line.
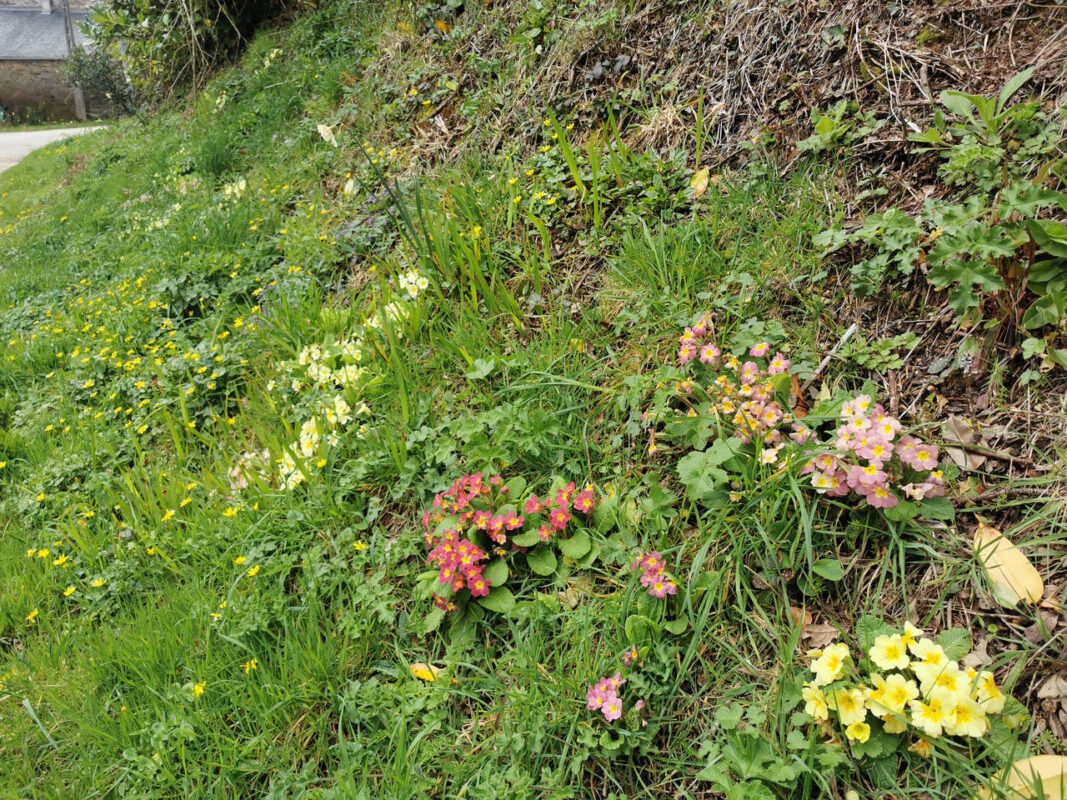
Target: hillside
[546,400]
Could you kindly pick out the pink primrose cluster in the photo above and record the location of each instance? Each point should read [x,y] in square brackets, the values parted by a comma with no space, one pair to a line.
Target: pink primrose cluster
[653,578]
[742,393]
[478,506]
[871,456]
[604,695]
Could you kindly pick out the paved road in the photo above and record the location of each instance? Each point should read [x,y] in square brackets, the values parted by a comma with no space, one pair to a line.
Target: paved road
[16,145]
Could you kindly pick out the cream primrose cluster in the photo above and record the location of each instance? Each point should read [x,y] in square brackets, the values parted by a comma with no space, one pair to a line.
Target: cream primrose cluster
[473,521]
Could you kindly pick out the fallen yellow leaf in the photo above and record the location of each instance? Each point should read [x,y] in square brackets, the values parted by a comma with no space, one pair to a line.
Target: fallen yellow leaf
[443,26]
[425,672]
[1039,776]
[699,183]
[1011,575]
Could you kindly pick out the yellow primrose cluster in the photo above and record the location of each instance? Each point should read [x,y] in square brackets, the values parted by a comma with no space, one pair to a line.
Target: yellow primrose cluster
[918,687]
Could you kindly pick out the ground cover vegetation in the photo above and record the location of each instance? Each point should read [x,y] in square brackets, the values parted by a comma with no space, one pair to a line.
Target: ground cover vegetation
[468,400]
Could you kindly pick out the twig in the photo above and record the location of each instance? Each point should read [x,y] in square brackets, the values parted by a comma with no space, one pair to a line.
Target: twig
[822,364]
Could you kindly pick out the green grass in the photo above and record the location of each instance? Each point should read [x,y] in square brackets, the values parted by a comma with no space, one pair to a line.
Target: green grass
[154,311]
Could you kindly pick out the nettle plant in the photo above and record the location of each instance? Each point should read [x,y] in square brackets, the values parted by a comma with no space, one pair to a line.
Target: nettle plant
[482,530]
[999,245]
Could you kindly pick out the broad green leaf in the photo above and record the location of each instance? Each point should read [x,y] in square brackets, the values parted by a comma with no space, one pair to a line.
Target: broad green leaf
[869,628]
[542,560]
[676,626]
[1033,347]
[904,511]
[496,573]
[481,369]
[516,486]
[528,539]
[829,568]
[939,508]
[956,642]
[576,546]
[638,628]
[499,599]
[1014,84]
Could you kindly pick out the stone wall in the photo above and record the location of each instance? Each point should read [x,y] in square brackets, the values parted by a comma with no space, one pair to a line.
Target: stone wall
[36,88]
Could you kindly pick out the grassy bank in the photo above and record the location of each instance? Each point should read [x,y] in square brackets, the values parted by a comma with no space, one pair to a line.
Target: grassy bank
[246,343]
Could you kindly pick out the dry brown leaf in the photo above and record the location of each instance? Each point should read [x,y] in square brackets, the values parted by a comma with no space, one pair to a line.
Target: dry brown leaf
[1011,575]
[818,636]
[801,616]
[960,430]
[1054,688]
[1038,776]
[979,656]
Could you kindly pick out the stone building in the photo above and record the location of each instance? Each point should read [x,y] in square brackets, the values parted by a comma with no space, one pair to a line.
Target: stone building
[33,45]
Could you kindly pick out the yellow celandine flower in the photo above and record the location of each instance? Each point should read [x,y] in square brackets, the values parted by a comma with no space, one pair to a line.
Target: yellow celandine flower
[849,705]
[168,515]
[360,545]
[250,666]
[68,591]
[32,616]
[96,584]
[253,571]
[198,688]
[239,560]
[889,652]
[230,512]
[858,732]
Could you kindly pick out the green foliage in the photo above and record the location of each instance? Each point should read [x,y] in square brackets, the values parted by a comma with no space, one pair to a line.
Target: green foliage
[879,356]
[999,249]
[843,126]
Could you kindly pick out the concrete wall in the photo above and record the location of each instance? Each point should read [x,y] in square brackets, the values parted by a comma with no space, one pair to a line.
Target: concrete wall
[35,86]
[75,5]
